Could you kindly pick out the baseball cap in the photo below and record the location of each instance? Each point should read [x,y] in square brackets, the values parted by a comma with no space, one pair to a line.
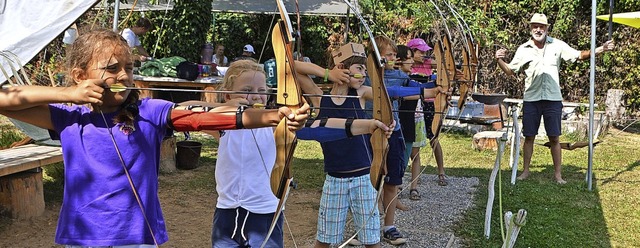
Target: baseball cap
[248,48]
[539,18]
[419,44]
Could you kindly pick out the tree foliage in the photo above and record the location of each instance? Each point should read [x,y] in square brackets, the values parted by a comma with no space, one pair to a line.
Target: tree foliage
[494,24]
[182,31]
[504,24]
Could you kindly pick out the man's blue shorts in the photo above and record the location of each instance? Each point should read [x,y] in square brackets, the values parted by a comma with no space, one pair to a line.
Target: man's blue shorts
[532,113]
[396,163]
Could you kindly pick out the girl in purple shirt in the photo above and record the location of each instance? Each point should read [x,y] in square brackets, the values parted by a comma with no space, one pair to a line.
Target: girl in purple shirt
[111,142]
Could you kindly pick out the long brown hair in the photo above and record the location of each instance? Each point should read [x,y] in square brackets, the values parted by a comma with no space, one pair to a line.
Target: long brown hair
[90,44]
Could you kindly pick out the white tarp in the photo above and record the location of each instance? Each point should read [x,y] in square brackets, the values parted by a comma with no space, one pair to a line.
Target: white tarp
[27,26]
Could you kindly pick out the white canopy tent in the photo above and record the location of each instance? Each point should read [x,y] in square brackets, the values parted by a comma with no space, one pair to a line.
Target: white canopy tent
[27,26]
[307,7]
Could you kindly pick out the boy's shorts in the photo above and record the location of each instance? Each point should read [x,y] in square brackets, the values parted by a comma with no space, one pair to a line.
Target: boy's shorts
[338,196]
[396,163]
[240,228]
[532,113]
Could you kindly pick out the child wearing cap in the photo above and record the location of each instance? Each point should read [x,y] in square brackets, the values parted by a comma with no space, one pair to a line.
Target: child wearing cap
[397,87]
[347,161]
[421,63]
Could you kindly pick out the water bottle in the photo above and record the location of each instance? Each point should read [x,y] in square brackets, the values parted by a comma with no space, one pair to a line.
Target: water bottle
[206,54]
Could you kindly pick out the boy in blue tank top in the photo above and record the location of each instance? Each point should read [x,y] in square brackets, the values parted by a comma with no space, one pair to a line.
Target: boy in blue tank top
[350,159]
[347,161]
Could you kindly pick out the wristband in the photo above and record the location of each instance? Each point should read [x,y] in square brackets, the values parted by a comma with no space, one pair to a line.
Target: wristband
[239,124]
[347,127]
[326,75]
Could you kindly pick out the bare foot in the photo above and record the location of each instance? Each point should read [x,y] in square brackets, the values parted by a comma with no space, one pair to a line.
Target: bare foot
[402,207]
[560,181]
[523,176]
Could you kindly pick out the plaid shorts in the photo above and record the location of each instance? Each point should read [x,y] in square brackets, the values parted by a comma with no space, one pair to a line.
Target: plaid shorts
[340,195]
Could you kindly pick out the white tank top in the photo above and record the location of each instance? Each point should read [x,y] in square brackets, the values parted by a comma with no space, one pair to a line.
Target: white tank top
[243,170]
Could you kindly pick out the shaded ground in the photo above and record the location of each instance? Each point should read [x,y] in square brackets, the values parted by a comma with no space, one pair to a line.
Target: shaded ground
[188,214]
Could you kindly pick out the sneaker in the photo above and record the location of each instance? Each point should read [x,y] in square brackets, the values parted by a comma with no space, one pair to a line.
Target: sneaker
[394,237]
[354,242]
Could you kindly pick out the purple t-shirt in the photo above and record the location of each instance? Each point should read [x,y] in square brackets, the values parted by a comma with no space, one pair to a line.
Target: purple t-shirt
[99,207]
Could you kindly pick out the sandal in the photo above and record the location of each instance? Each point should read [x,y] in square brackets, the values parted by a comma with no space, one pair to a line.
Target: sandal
[442,181]
[414,194]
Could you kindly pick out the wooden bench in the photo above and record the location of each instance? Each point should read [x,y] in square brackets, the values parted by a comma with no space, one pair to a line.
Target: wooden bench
[21,190]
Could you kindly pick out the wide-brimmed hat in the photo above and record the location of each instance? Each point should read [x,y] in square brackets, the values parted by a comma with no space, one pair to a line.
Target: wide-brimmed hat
[419,44]
[248,48]
[539,18]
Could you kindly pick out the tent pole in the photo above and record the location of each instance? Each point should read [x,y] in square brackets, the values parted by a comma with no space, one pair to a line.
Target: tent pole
[116,14]
[592,76]
[610,19]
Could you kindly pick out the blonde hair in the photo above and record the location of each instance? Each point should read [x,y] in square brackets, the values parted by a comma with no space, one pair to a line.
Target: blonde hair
[382,42]
[236,69]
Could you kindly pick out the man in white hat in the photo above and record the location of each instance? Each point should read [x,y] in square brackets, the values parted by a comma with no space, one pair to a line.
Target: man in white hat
[540,59]
[247,53]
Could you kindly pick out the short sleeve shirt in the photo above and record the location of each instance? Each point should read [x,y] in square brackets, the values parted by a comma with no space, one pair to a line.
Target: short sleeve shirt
[225,61]
[131,38]
[541,66]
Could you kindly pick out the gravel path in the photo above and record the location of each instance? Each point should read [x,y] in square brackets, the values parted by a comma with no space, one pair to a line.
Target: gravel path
[429,222]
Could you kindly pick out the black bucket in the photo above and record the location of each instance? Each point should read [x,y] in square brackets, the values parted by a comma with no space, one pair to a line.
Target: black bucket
[188,154]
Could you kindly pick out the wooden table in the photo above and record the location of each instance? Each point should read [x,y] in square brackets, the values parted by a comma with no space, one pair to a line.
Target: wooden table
[210,83]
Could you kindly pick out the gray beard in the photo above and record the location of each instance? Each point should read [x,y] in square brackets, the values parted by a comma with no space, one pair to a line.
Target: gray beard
[539,38]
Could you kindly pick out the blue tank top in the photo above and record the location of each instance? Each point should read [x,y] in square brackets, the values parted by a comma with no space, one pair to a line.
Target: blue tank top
[350,153]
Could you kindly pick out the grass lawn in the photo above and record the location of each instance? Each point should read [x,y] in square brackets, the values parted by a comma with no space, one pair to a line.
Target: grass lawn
[558,215]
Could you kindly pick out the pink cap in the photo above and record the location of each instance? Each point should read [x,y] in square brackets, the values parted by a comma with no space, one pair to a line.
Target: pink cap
[419,44]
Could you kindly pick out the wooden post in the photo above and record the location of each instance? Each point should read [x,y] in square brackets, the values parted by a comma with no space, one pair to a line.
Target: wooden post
[168,155]
[486,140]
[615,110]
[21,194]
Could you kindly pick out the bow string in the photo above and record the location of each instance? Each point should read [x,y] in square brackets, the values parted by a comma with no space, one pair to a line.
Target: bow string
[445,72]
[290,95]
[381,106]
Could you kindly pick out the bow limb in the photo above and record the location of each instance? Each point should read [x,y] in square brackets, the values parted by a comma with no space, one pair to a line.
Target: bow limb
[445,71]
[289,95]
[381,106]
[466,83]
[473,49]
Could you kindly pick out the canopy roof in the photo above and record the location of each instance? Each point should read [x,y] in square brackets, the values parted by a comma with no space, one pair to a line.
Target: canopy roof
[307,7]
[26,27]
[629,18]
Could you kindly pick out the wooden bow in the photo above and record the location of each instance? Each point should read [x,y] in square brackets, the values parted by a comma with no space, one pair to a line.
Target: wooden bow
[446,71]
[381,106]
[290,95]
[469,58]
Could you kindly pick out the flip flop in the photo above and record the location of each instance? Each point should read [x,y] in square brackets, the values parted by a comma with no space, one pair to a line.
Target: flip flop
[414,194]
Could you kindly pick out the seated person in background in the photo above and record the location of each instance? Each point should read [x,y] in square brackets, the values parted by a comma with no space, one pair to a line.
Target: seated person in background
[219,58]
[247,53]
[131,35]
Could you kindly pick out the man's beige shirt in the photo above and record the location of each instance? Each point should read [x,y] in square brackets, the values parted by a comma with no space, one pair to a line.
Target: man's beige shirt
[541,66]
